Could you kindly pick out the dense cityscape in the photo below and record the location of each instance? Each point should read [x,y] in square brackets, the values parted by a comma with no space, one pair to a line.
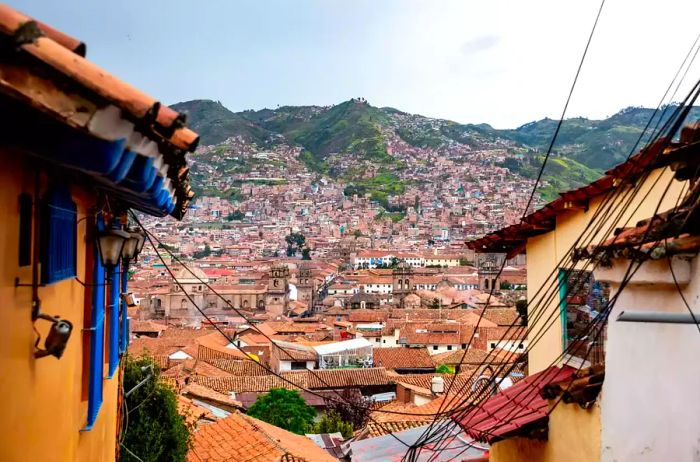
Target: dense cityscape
[341,282]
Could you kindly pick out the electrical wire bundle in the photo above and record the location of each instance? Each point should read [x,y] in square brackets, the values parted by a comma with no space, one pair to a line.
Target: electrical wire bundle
[155,244]
[615,204]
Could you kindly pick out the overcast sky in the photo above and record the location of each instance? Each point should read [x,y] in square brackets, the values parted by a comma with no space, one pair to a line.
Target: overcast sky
[499,62]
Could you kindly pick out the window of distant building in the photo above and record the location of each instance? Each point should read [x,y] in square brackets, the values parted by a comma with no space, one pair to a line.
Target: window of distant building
[493,344]
[449,347]
[435,347]
[298,365]
[464,345]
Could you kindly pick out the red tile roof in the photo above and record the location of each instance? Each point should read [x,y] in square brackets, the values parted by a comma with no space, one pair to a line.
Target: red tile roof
[505,413]
[239,367]
[402,358]
[194,390]
[316,380]
[56,50]
[239,438]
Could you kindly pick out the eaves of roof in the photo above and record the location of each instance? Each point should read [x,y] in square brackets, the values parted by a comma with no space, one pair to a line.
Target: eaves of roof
[132,146]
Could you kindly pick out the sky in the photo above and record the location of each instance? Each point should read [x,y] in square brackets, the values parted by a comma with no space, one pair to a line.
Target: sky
[505,63]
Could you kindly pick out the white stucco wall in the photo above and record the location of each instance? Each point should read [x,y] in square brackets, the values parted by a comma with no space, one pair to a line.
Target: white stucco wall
[441,348]
[286,366]
[509,345]
[651,394]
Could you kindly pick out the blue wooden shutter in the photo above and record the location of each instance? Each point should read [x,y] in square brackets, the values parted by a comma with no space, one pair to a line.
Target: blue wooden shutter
[98,336]
[58,236]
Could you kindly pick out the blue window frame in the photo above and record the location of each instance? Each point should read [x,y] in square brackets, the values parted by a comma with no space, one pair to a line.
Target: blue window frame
[114,281]
[59,224]
[97,329]
[124,339]
[563,290]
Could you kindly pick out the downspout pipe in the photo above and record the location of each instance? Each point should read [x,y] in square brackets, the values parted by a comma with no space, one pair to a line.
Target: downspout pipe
[659,317]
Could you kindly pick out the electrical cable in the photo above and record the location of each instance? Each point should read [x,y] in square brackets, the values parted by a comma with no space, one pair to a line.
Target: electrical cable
[599,209]
[495,375]
[603,315]
[656,211]
[537,180]
[557,360]
[188,296]
[131,453]
[680,291]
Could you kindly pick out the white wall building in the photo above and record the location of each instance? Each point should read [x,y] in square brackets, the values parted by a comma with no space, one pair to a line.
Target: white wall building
[650,408]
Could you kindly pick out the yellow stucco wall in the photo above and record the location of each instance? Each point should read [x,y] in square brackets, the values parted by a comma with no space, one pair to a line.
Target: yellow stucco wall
[43,408]
[545,251]
[574,436]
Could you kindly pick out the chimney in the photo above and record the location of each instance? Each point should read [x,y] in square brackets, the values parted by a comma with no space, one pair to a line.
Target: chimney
[437,385]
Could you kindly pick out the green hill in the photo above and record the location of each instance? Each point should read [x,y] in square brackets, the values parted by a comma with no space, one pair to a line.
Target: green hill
[598,144]
[354,131]
[215,123]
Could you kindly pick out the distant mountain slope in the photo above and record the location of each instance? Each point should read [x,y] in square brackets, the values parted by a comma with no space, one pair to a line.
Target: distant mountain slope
[598,144]
[215,123]
[360,135]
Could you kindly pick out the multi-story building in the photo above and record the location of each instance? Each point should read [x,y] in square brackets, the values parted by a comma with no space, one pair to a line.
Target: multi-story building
[79,150]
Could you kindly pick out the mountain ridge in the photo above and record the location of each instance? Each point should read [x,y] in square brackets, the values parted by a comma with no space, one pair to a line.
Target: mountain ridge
[348,139]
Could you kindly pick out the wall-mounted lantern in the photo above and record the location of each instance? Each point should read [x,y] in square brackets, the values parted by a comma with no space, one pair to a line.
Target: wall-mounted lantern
[110,243]
[133,246]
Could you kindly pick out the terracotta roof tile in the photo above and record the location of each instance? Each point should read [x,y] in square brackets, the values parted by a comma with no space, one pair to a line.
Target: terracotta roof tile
[62,52]
[242,438]
[199,391]
[239,367]
[505,413]
[402,358]
[316,380]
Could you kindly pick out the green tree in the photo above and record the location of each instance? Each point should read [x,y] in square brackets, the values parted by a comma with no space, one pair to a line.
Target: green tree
[295,242]
[202,253]
[332,423]
[436,303]
[521,306]
[154,430]
[445,369]
[351,407]
[306,253]
[285,409]
[235,215]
